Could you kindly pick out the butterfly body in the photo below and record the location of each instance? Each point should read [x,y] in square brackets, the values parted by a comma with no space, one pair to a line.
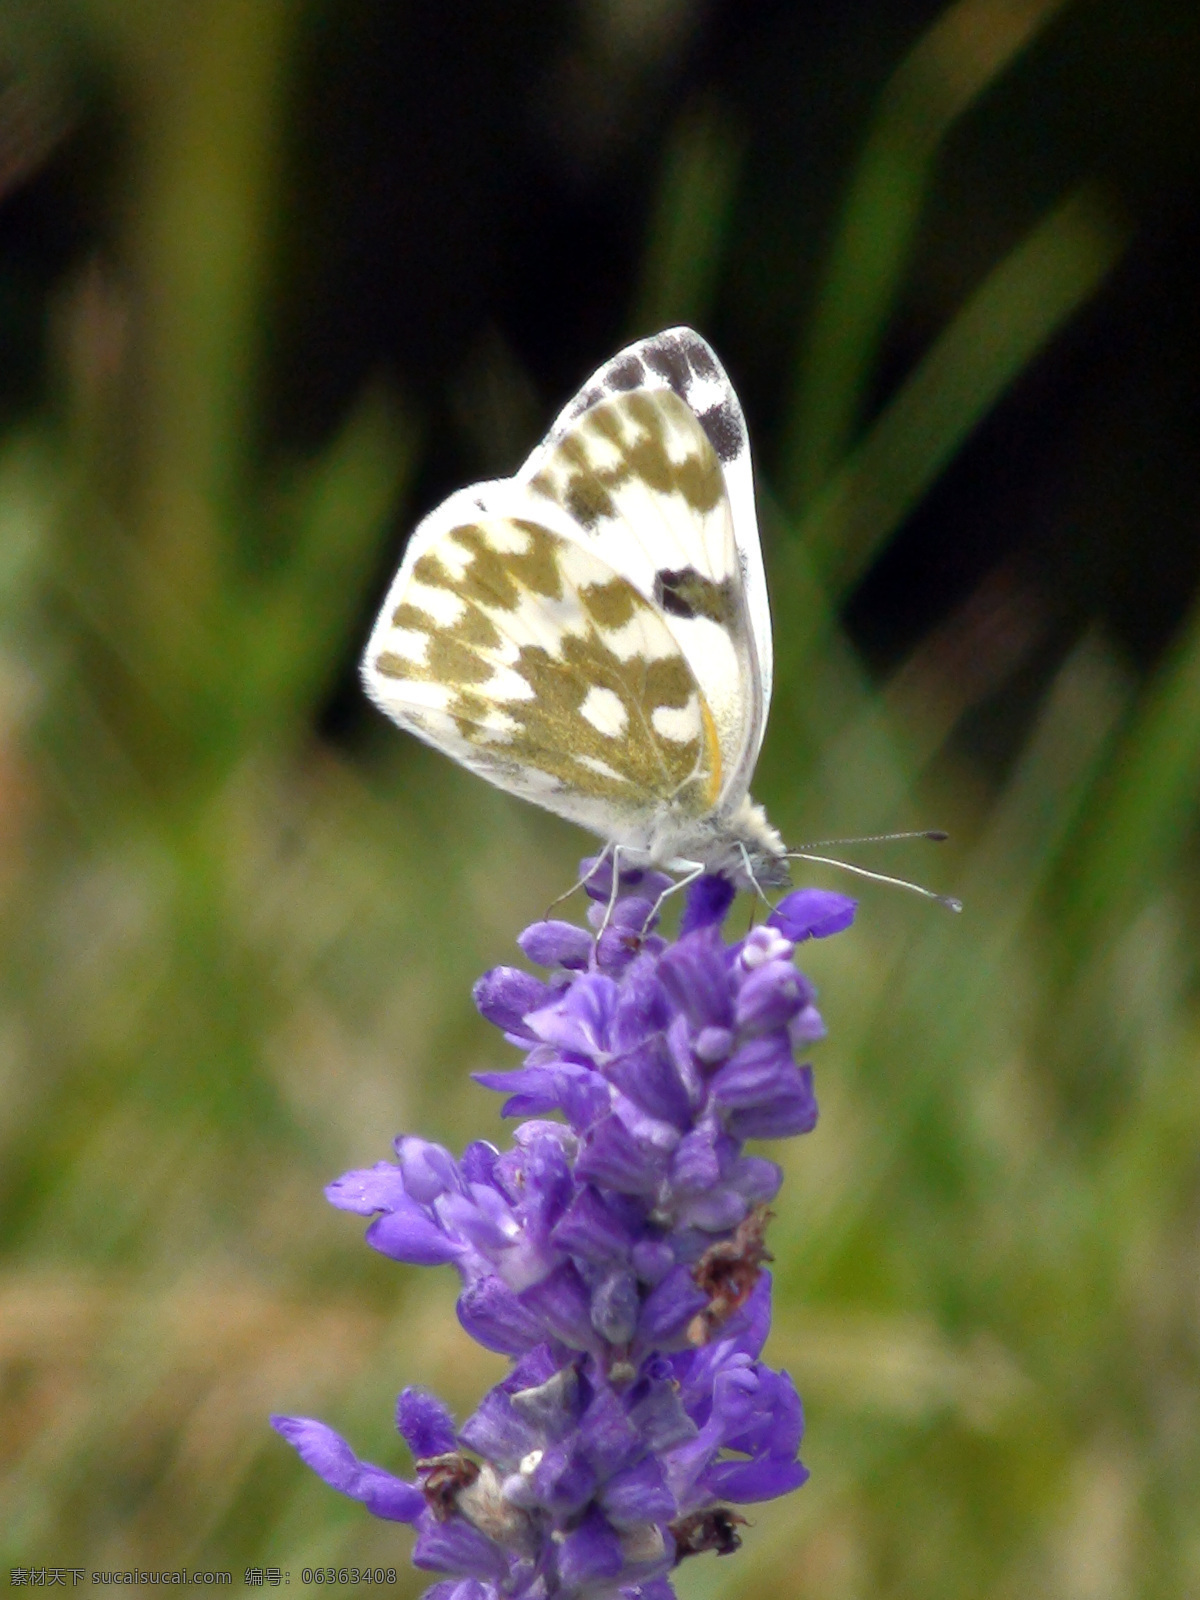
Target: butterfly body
[593,634]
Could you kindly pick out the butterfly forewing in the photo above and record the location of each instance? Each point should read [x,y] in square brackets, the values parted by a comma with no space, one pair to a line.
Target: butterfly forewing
[640,485]
[536,664]
[680,361]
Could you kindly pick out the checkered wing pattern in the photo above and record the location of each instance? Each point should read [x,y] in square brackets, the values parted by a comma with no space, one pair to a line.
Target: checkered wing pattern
[592,634]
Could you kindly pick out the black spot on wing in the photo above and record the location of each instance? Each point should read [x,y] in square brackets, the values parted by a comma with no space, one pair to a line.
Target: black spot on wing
[688,593]
[701,358]
[667,357]
[627,372]
[686,362]
[723,426]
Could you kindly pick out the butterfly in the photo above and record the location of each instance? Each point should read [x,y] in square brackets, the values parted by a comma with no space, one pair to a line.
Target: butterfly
[593,633]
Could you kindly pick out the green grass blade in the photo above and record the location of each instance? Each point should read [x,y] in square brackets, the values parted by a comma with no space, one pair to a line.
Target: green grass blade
[1148,804]
[1014,313]
[968,47]
[691,221]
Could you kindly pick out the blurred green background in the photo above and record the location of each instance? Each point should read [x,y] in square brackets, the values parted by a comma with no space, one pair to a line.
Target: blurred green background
[275,275]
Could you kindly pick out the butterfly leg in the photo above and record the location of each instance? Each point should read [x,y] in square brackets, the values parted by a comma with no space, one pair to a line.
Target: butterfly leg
[581,883]
[694,870]
[615,890]
[751,879]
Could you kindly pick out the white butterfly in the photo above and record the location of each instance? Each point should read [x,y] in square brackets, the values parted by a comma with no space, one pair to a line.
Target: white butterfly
[593,633]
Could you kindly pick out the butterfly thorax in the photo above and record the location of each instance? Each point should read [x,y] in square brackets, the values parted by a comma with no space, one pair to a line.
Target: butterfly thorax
[738,843]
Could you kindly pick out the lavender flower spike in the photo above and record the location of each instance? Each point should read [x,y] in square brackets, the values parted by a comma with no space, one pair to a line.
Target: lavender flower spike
[615,1252]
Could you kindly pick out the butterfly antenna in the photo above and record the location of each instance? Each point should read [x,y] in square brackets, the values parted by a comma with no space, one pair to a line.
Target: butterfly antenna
[947,900]
[934,835]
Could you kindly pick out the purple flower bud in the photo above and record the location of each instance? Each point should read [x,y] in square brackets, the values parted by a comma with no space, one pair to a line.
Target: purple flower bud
[619,945]
[562,1482]
[491,1313]
[483,1219]
[408,1234]
[770,997]
[716,1210]
[695,1166]
[550,1399]
[426,1425]
[762,945]
[657,1410]
[607,1433]
[634,913]
[653,1589]
[693,974]
[791,1108]
[755,1179]
[506,996]
[642,1005]
[755,1071]
[708,903]
[806,1027]
[668,1308]
[579,1021]
[647,1076]
[479,1161]
[615,1307]
[614,1159]
[456,1546]
[579,1093]
[638,1495]
[429,1169]
[466,1589]
[812,914]
[328,1454]
[679,1042]
[652,1260]
[747,1330]
[562,1304]
[498,1430]
[371,1189]
[589,1554]
[713,1045]
[590,1230]
[556,944]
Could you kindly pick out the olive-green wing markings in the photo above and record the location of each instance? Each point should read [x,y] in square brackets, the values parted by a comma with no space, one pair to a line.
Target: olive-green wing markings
[641,481]
[530,660]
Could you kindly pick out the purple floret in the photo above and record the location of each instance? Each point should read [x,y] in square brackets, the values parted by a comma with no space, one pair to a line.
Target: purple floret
[615,1253]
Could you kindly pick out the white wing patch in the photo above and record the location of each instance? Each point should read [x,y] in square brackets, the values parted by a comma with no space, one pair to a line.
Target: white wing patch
[607,714]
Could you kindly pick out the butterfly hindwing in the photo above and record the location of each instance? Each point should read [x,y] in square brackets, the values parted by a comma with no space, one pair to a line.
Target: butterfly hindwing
[535,663]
